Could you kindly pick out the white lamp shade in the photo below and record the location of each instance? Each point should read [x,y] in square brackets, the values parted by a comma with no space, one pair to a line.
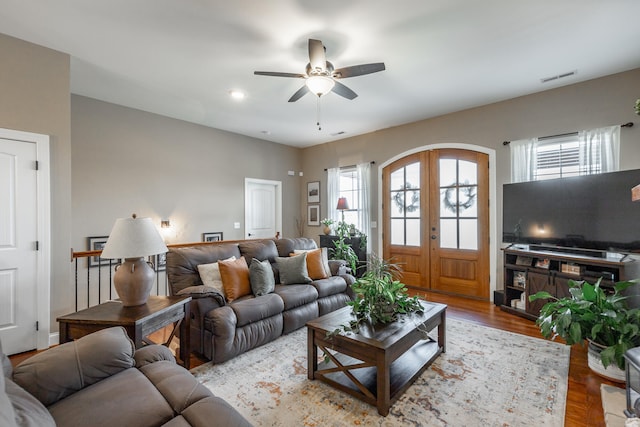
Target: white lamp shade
[133,238]
[319,85]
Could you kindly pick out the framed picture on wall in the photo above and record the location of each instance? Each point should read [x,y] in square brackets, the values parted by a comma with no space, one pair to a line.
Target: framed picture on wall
[96,244]
[160,261]
[212,237]
[313,192]
[313,215]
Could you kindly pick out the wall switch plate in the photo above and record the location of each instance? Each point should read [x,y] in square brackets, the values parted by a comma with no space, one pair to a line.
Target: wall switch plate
[291,173]
[374,224]
[301,174]
[236,225]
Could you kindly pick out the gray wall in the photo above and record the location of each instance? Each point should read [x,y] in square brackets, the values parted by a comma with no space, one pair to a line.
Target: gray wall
[127,160]
[34,88]
[595,103]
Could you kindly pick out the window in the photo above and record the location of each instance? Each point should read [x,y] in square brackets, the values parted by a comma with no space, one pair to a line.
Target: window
[350,188]
[586,152]
[559,157]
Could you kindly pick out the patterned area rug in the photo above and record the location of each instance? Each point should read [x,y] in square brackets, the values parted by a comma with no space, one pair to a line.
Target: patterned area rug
[487,377]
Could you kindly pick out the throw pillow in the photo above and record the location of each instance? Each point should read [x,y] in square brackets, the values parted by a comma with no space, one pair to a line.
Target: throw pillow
[210,275]
[293,269]
[317,262]
[200,291]
[261,277]
[235,278]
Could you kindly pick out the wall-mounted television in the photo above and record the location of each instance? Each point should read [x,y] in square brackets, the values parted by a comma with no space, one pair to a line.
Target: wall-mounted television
[585,212]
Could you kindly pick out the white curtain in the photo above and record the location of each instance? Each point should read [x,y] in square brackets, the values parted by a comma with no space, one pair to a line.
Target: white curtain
[364,183]
[602,144]
[523,159]
[333,193]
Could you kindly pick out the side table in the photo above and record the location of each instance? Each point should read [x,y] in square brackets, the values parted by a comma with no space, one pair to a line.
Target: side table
[139,321]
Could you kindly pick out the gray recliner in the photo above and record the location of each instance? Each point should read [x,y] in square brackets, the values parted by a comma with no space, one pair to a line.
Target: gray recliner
[101,380]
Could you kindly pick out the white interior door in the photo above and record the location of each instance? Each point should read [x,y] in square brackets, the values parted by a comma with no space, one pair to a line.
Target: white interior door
[18,255]
[263,208]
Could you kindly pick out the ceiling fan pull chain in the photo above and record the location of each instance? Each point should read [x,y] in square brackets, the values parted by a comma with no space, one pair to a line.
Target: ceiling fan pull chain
[318,113]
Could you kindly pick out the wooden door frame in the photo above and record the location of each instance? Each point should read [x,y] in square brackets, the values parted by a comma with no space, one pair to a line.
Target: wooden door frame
[493,221]
[43,218]
[278,205]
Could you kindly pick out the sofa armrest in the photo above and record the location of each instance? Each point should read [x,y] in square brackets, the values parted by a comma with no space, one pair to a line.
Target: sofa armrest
[61,371]
[151,354]
[338,267]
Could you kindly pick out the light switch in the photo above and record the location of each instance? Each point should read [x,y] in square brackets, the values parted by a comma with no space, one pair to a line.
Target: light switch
[236,225]
[374,224]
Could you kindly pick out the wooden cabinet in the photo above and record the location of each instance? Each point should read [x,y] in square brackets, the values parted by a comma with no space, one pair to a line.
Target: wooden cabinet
[528,271]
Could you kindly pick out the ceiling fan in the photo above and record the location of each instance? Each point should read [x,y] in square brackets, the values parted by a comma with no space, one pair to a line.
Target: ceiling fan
[321,77]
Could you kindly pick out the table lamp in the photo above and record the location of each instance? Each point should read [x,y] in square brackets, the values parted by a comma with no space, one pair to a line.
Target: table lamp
[133,239]
[343,205]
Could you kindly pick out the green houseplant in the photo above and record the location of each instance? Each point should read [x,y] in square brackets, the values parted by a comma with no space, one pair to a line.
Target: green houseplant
[379,296]
[594,315]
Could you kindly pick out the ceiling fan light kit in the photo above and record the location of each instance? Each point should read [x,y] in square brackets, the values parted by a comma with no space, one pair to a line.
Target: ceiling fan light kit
[320,85]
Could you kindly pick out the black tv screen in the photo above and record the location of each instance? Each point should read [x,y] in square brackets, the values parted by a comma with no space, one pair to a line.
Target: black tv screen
[587,212]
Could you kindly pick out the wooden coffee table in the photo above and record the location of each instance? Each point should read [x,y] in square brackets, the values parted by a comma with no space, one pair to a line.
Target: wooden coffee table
[379,363]
[139,321]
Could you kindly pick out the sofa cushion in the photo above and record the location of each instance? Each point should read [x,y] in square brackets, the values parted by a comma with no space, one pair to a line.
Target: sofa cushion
[330,286]
[251,310]
[287,246]
[261,277]
[296,295]
[203,411]
[61,371]
[317,262]
[25,409]
[7,416]
[210,275]
[258,249]
[293,270]
[126,399]
[235,278]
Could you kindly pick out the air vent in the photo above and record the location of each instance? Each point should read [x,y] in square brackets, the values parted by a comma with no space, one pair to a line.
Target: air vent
[338,133]
[559,76]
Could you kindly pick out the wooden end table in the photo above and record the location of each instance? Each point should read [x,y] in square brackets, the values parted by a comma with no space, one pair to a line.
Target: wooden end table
[139,321]
[379,363]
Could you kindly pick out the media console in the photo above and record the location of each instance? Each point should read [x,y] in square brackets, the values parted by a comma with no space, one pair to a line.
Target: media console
[528,270]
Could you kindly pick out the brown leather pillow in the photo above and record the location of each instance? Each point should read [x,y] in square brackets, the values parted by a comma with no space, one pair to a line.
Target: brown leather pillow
[235,278]
[315,263]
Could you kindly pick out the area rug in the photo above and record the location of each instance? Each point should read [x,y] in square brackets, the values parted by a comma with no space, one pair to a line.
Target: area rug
[487,377]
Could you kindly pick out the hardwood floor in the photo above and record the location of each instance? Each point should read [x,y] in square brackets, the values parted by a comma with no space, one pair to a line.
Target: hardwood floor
[584,406]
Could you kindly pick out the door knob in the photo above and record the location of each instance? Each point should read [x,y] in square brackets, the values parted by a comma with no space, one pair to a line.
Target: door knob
[434,237]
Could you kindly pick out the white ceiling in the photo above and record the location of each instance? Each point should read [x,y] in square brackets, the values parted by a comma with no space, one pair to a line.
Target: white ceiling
[180,58]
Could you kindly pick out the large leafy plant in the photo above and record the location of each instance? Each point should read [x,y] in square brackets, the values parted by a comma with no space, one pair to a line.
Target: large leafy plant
[592,314]
[379,296]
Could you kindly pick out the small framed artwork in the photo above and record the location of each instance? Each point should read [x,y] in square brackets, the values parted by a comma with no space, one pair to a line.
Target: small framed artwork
[313,215]
[97,244]
[313,192]
[160,261]
[212,237]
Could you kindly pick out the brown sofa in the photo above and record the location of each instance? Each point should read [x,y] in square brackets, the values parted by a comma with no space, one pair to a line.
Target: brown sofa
[101,380]
[221,330]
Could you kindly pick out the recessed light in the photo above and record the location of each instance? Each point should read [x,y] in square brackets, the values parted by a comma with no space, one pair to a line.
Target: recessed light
[237,94]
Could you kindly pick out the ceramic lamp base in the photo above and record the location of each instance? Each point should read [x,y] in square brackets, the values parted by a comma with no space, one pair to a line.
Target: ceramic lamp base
[133,281]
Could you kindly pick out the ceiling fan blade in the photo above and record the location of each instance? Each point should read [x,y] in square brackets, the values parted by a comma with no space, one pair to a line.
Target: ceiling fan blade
[344,91]
[277,74]
[299,94]
[317,58]
[358,70]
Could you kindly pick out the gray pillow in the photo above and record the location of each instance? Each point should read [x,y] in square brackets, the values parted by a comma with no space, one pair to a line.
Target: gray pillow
[293,270]
[261,277]
[27,410]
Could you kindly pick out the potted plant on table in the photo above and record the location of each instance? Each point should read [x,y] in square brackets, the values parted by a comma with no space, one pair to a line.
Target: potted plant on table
[601,318]
[379,296]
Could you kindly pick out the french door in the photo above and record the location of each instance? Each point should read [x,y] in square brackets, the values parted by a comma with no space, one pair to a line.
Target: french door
[436,220]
